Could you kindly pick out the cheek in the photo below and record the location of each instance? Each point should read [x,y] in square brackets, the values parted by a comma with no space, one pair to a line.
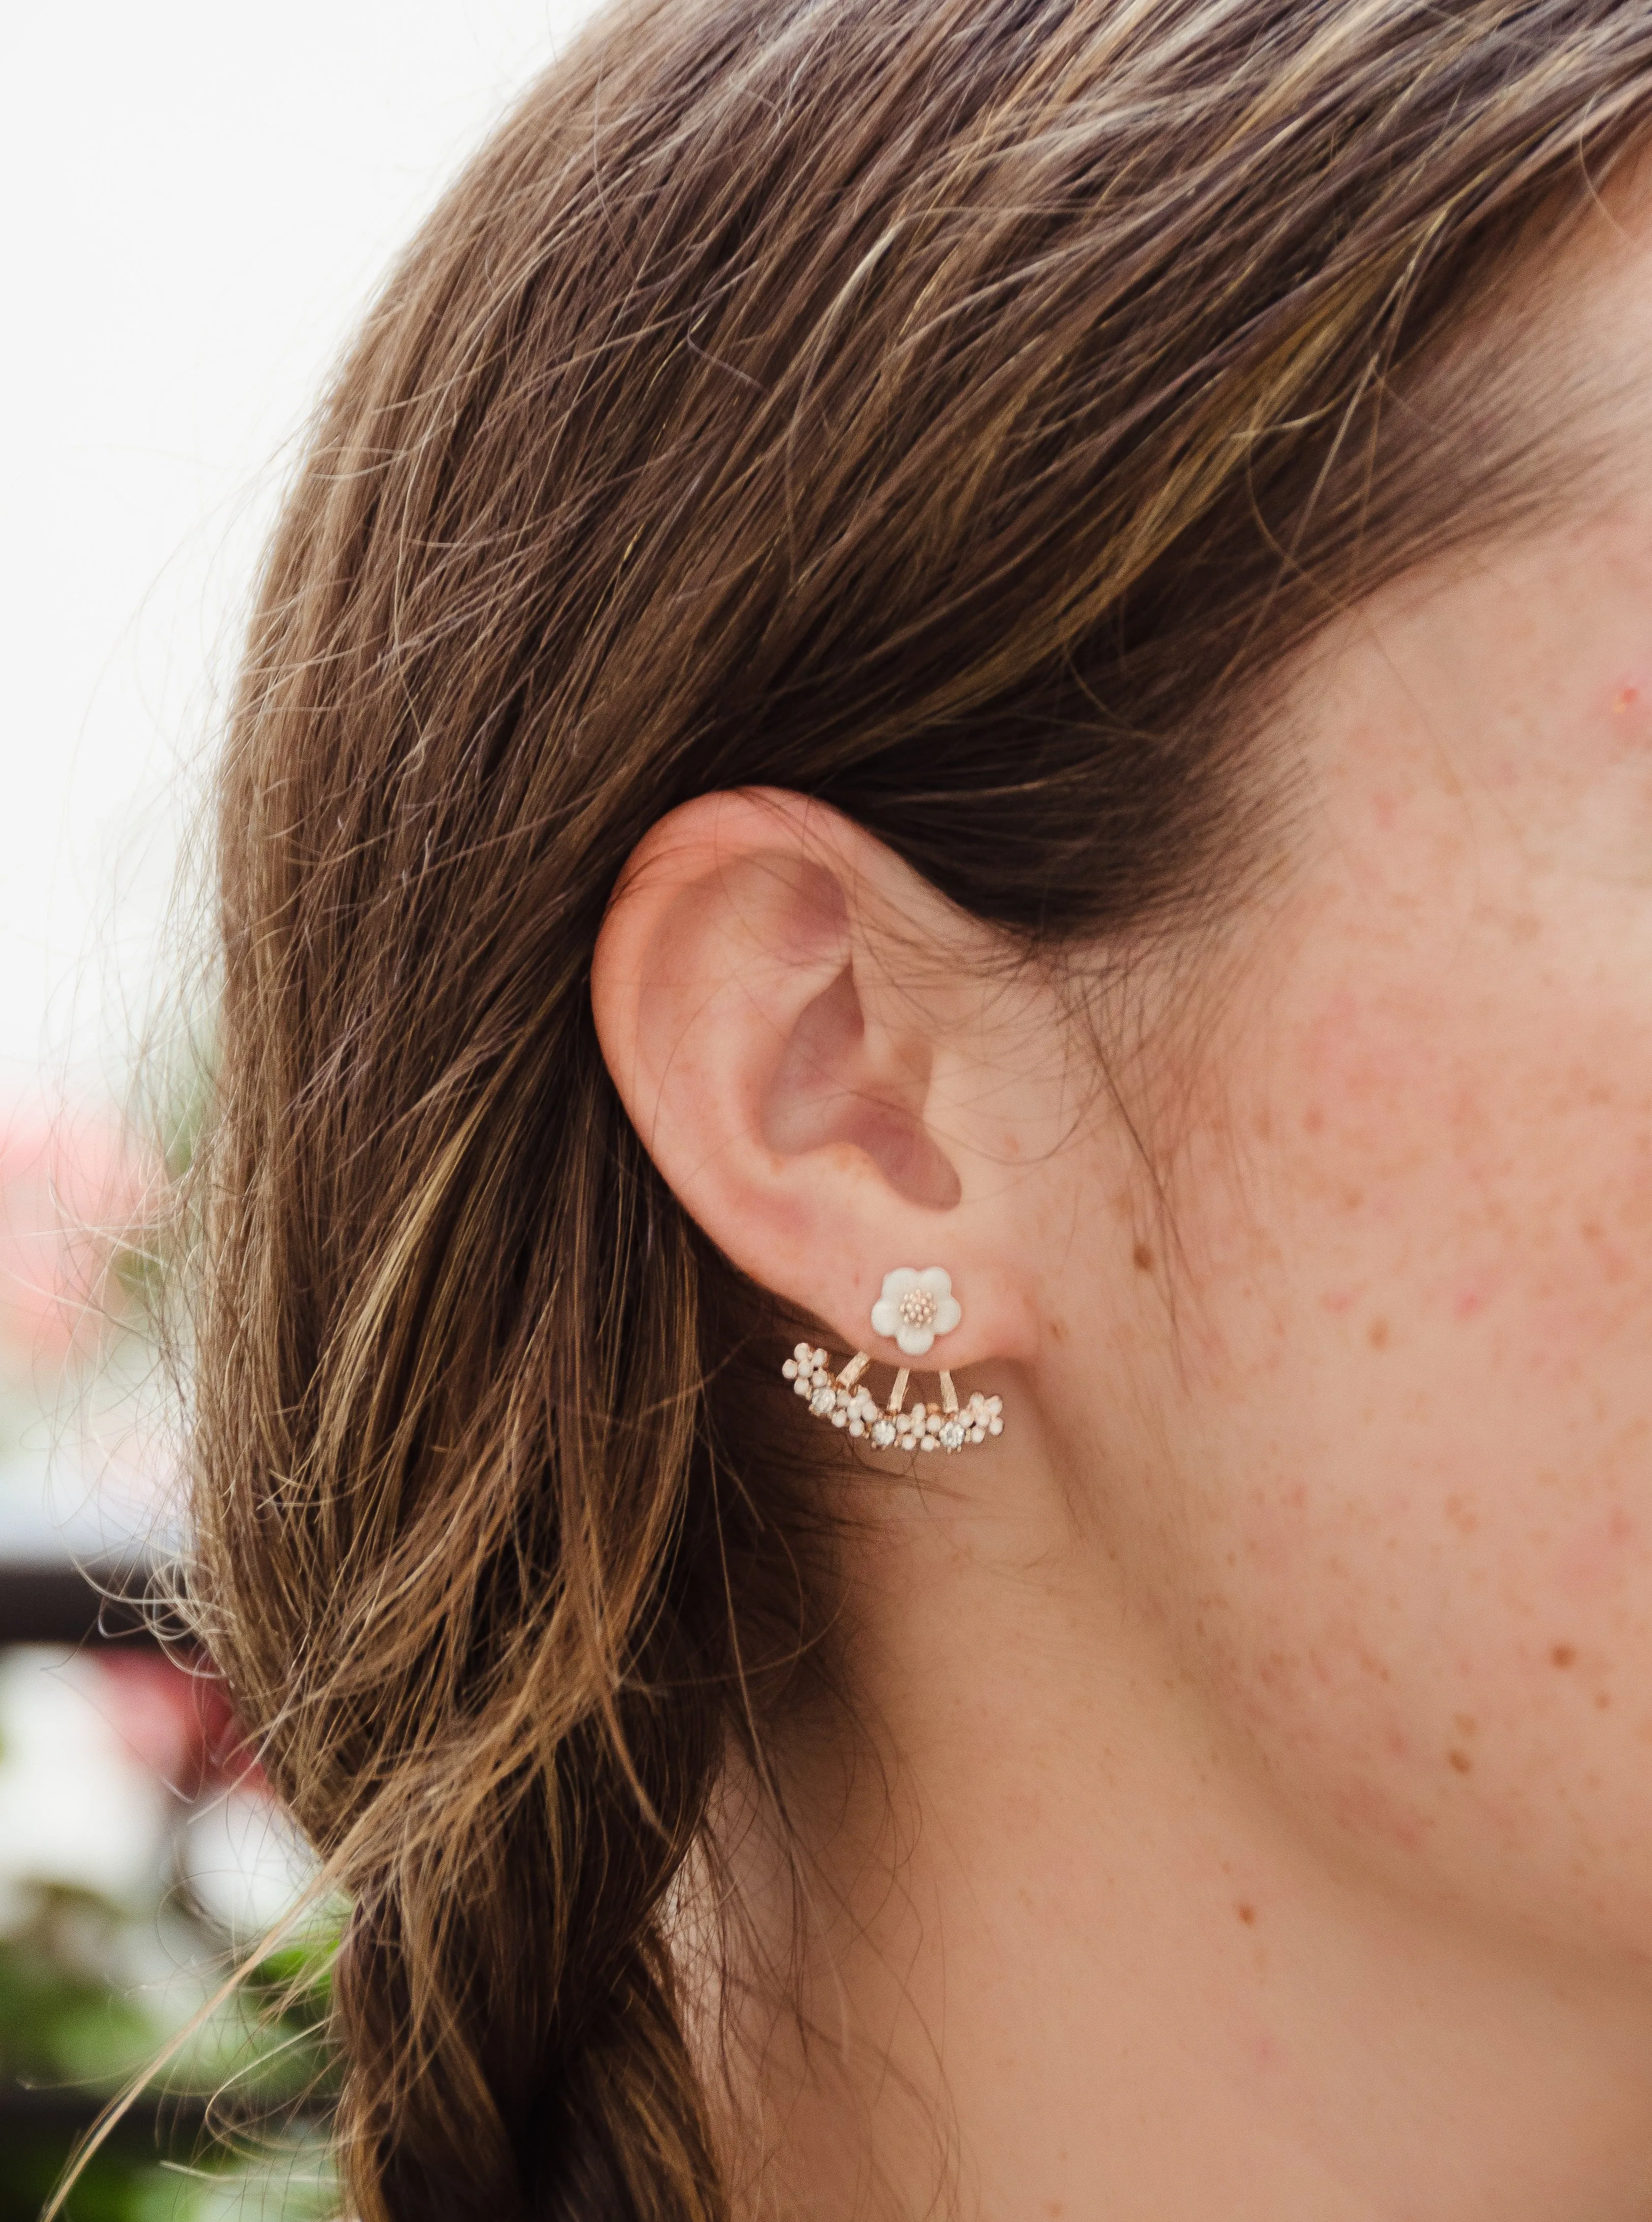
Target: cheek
[1420,1431]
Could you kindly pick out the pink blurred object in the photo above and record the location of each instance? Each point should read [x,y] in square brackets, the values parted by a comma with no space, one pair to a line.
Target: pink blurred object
[177,1721]
[68,1195]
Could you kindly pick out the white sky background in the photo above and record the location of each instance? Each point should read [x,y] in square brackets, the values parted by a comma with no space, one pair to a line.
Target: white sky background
[198,199]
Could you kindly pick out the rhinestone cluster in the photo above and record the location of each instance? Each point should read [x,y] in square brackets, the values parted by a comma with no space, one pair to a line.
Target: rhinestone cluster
[946,1426]
[839,1402]
[931,1427]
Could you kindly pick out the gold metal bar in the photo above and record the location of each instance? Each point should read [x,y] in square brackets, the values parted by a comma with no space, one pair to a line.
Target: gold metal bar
[852,1372]
[898,1394]
[948,1394]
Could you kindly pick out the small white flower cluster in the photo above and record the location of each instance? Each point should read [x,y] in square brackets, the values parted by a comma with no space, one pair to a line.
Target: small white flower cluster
[926,1426]
[853,1408]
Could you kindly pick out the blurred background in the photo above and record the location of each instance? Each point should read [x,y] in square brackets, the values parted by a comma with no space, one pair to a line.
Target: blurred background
[199,200]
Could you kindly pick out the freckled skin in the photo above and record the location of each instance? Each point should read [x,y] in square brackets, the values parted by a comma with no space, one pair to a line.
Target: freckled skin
[1317,1691]
[1413,1218]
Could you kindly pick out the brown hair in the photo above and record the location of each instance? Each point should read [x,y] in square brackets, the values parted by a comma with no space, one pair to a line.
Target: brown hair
[952,408]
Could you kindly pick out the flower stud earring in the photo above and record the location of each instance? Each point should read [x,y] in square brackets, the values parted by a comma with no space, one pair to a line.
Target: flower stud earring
[913,1308]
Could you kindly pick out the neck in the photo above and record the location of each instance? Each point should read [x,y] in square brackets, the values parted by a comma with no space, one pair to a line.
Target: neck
[1064,1951]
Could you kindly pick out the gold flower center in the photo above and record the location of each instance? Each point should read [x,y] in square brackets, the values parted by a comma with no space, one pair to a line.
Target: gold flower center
[917,1308]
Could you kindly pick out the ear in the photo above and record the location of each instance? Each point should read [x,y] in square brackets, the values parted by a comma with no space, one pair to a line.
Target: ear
[830,1065]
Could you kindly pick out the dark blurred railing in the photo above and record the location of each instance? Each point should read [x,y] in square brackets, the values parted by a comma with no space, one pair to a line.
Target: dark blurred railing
[56,1602]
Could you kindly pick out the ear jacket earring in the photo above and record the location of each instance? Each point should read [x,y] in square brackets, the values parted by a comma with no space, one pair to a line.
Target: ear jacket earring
[913,1308]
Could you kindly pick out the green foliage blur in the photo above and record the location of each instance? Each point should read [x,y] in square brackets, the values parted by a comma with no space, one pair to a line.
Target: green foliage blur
[231,2129]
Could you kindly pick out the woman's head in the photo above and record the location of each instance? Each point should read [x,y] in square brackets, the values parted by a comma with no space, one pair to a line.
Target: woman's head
[930,521]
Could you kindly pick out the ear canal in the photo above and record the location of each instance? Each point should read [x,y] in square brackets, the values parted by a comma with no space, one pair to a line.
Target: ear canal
[827,1089]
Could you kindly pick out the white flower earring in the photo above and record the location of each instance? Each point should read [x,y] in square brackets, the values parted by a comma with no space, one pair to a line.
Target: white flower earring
[912,1310]
[915,1308]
